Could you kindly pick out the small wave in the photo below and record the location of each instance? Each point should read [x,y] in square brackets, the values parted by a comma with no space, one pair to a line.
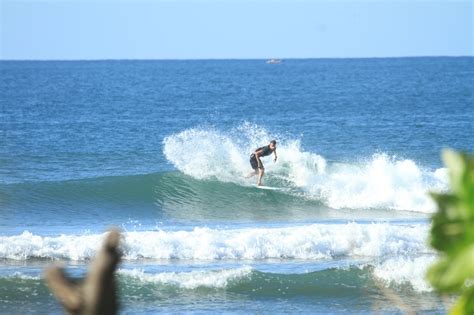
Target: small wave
[379,182]
[247,279]
[315,241]
[190,280]
[405,270]
[395,272]
[351,280]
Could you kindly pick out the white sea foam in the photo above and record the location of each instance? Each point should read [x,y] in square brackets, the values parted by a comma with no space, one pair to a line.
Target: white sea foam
[404,270]
[22,276]
[190,280]
[379,182]
[315,241]
[28,245]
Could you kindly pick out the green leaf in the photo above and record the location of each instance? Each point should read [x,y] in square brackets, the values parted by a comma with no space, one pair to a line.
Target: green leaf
[449,274]
[456,165]
[452,233]
[465,304]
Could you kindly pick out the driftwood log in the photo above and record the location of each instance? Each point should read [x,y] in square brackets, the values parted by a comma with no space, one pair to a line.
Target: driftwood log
[97,293]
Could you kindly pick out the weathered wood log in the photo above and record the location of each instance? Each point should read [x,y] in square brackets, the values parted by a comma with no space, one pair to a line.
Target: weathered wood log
[97,293]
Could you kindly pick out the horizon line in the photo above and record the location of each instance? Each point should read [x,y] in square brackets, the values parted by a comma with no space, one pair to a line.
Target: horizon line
[223,59]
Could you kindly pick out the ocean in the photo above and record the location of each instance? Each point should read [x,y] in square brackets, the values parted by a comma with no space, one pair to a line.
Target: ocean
[160,149]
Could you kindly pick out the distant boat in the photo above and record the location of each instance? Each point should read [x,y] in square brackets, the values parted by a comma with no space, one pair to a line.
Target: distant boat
[274,61]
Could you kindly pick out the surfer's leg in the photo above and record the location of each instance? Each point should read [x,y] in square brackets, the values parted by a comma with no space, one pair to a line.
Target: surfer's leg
[254,164]
[251,174]
[260,175]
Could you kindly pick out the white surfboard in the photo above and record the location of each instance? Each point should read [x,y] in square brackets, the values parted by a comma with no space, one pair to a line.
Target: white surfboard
[268,187]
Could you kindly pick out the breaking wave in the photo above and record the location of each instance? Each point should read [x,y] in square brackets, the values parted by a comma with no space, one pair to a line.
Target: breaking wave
[314,241]
[380,181]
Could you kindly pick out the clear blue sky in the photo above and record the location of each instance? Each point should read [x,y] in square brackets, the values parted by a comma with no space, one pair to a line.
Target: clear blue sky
[106,29]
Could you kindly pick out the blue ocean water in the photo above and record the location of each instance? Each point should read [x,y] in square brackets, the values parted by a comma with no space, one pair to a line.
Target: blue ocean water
[160,149]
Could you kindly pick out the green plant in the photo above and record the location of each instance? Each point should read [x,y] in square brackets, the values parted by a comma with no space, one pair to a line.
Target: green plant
[452,234]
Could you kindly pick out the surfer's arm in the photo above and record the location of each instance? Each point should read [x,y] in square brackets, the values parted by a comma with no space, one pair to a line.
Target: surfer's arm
[276,157]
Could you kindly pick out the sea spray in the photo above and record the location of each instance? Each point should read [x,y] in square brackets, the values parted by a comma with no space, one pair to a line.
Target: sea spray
[380,181]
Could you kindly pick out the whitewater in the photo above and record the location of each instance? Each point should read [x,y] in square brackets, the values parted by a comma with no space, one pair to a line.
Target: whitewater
[380,181]
[315,241]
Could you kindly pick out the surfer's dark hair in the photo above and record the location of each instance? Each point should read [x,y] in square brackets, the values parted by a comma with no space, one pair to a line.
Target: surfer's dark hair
[274,142]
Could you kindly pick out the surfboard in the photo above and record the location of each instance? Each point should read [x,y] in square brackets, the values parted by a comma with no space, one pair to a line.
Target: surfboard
[268,187]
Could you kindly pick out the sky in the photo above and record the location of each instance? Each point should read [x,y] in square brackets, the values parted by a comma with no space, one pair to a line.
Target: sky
[219,29]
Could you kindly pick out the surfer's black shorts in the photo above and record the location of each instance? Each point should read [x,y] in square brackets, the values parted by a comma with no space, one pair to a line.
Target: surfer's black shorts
[254,163]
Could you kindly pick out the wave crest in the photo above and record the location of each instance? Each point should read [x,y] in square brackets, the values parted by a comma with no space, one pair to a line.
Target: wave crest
[315,241]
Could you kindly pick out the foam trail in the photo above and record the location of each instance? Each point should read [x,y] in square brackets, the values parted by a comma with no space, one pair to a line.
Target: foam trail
[315,241]
[190,280]
[379,182]
[21,276]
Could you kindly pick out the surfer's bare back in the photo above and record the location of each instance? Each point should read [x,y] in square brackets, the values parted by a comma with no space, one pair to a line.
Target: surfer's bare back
[257,164]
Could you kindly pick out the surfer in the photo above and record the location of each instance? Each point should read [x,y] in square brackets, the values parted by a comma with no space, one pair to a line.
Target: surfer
[257,164]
